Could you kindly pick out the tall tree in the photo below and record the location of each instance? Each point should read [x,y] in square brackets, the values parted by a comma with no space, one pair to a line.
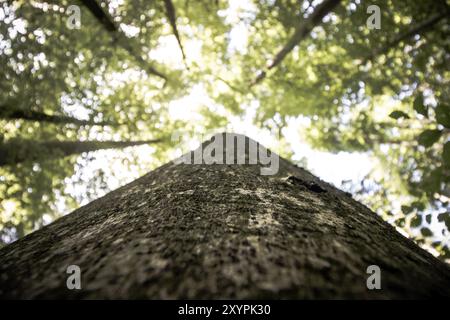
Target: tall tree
[18,150]
[222,231]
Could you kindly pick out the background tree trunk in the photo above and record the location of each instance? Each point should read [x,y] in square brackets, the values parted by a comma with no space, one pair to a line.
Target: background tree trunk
[6,113]
[18,150]
[221,231]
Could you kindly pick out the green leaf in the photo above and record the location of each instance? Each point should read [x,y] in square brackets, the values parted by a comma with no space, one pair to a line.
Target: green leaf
[400,222]
[426,232]
[419,106]
[444,217]
[443,115]
[445,254]
[397,114]
[418,205]
[446,154]
[432,181]
[406,209]
[415,221]
[428,137]
[428,218]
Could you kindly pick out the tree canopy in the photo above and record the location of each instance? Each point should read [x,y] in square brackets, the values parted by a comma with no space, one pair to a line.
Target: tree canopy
[134,71]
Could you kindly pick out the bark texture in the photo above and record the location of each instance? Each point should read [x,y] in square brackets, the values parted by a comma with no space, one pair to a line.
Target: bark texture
[221,231]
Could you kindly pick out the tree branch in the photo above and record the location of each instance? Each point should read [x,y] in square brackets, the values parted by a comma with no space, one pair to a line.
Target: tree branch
[19,150]
[43,117]
[420,28]
[102,16]
[301,32]
[106,20]
[170,11]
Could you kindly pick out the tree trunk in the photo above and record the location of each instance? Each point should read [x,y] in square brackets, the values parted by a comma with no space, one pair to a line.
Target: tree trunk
[20,150]
[221,231]
[43,117]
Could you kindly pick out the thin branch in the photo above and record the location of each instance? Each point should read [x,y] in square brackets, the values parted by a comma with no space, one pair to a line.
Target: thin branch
[420,28]
[102,16]
[232,87]
[19,150]
[171,15]
[106,20]
[301,32]
[137,57]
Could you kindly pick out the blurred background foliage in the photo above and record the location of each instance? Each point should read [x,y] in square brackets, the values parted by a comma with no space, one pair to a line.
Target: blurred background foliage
[147,69]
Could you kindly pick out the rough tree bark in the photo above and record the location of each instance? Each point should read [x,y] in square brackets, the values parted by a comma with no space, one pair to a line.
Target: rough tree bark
[221,231]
